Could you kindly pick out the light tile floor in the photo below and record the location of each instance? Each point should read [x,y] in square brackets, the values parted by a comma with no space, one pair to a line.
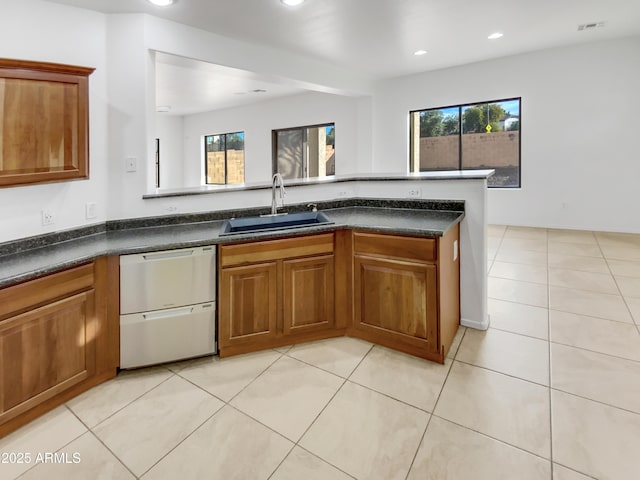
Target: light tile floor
[550,391]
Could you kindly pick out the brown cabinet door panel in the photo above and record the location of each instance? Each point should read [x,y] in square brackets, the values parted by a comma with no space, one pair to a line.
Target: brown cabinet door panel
[248,309]
[46,351]
[396,299]
[271,250]
[308,294]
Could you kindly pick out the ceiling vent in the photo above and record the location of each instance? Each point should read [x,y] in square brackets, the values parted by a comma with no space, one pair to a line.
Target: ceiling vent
[590,26]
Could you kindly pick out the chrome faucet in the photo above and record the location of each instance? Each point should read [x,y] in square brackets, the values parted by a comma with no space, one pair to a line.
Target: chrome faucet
[277,181]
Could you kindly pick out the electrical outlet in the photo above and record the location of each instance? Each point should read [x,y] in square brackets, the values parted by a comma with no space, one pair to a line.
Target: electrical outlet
[415,192]
[131,164]
[90,210]
[47,217]
[170,208]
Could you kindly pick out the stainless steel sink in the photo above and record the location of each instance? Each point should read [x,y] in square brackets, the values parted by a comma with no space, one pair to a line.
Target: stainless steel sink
[274,222]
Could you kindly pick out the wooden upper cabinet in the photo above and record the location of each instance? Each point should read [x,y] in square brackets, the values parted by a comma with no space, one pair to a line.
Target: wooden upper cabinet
[44,122]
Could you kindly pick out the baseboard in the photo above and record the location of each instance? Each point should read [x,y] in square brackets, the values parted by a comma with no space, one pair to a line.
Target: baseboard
[465,322]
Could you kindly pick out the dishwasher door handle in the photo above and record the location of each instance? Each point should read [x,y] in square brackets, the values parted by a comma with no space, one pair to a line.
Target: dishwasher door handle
[174,312]
[167,255]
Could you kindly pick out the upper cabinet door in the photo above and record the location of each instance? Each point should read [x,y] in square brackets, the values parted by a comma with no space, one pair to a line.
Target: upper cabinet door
[44,122]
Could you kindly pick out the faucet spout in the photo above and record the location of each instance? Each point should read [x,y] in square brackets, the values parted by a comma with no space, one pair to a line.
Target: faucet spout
[277,181]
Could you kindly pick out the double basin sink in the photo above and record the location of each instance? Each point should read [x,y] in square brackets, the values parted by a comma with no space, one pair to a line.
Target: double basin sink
[266,223]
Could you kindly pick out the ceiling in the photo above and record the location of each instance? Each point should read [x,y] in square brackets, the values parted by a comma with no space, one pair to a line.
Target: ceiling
[377,38]
[189,86]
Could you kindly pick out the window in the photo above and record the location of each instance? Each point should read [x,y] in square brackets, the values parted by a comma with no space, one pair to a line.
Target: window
[224,158]
[304,152]
[466,137]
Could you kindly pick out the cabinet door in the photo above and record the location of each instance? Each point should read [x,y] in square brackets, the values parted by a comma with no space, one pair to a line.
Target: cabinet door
[308,294]
[248,307]
[396,302]
[46,351]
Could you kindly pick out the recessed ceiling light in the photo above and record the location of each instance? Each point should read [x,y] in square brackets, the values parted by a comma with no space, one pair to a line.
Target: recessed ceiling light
[162,3]
[417,53]
[163,108]
[494,36]
[292,3]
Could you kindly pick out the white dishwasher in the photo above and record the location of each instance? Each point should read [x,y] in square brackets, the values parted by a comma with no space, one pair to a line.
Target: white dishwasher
[167,306]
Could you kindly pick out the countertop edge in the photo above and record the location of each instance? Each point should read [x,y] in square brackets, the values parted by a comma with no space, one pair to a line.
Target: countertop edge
[105,246]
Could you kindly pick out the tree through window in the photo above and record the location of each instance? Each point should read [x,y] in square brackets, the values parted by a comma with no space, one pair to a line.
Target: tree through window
[466,137]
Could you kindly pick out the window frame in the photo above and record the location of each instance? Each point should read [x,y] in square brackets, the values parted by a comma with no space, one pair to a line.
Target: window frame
[226,167]
[303,128]
[461,133]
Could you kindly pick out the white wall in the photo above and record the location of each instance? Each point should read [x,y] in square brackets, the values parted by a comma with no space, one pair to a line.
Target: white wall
[131,40]
[258,120]
[42,31]
[579,155]
[169,129]
[579,131]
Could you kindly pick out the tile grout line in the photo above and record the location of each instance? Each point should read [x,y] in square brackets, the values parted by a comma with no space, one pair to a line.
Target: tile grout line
[573,470]
[510,375]
[297,442]
[241,390]
[432,414]
[90,430]
[596,351]
[63,446]
[495,438]
[216,412]
[600,402]
[125,406]
[174,373]
[624,299]
[549,367]
[257,376]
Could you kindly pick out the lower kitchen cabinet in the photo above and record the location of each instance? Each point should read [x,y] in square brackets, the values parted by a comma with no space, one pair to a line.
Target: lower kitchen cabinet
[275,292]
[406,292]
[308,294]
[248,310]
[58,337]
[398,291]
[396,301]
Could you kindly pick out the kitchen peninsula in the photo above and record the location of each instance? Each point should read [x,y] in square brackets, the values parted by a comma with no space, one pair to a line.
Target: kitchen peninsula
[88,258]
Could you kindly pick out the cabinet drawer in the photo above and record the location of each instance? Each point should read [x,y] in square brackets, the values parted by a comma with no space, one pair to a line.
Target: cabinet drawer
[420,249]
[25,296]
[269,250]
[167,279]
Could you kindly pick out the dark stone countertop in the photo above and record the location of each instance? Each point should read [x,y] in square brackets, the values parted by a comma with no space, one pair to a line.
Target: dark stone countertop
[30,258]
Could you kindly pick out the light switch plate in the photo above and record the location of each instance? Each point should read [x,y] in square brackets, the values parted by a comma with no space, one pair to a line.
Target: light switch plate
[91,210]
[455,250]
[131,164]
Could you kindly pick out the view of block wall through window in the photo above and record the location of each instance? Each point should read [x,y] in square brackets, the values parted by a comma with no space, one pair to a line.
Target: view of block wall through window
[224,158]
[304,152]
[465,137]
